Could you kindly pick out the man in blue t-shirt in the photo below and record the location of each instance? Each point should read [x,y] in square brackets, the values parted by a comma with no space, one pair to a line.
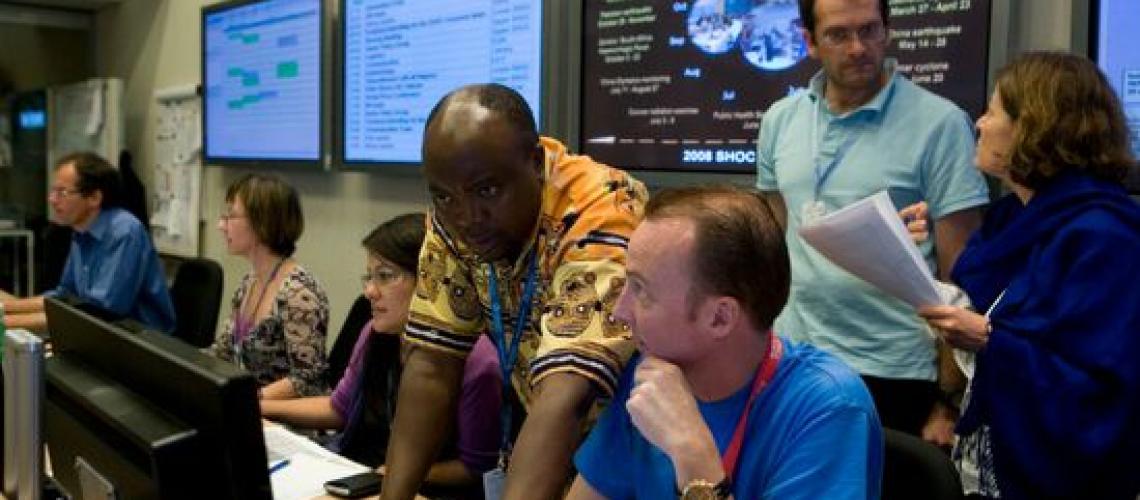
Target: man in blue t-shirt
[718,406]
[112,263]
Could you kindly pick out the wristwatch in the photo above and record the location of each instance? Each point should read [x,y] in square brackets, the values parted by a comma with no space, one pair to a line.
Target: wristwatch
[701,489]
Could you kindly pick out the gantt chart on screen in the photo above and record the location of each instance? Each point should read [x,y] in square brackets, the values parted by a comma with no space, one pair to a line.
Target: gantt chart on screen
[263,81]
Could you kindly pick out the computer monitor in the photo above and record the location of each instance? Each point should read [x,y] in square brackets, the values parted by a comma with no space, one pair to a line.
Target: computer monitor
[1115,45]
[263,80]
[147,415]
[401,57]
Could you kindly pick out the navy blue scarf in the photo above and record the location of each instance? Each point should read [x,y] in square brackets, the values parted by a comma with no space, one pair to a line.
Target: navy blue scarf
[1059,381]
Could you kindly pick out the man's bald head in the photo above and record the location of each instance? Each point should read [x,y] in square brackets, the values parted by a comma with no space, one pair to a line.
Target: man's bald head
[484,168]
[467,109]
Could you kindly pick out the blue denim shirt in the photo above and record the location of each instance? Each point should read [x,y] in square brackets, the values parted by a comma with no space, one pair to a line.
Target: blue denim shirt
[113,265]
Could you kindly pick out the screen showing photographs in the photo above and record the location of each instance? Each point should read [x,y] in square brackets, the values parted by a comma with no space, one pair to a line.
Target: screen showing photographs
[682,85]
[262,81]
[402,56]
[1118,54]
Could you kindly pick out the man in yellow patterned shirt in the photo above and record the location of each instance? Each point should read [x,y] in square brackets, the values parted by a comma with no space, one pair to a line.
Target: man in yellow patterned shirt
[527,243]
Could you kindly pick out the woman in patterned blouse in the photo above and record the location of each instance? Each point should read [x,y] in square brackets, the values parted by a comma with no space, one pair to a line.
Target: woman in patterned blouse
[279,315]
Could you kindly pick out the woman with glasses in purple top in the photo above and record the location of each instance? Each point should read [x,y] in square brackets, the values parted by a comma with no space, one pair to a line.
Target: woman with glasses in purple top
[364,401]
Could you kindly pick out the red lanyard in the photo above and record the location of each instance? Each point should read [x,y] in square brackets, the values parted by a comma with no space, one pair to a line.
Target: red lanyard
[763,376]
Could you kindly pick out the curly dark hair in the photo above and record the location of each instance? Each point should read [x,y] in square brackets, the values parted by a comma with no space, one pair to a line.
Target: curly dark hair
[807,15]
[1066,117]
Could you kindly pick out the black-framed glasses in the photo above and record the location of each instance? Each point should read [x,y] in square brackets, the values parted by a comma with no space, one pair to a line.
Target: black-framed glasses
[381,277]
[867,33]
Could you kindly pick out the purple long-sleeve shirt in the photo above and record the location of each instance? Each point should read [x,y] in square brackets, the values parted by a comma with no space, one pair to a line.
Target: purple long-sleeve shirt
[477,428]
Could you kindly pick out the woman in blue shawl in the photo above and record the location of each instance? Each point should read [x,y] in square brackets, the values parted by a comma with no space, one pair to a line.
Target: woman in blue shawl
[1053,408]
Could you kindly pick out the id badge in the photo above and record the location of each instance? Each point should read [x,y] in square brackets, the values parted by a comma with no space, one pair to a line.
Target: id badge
[494,481]
[811,212]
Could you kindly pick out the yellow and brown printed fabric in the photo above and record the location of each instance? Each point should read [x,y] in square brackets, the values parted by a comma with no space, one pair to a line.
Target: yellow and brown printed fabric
[588,212]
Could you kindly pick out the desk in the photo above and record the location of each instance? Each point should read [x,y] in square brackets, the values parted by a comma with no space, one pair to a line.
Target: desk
[376,497]
[29,276]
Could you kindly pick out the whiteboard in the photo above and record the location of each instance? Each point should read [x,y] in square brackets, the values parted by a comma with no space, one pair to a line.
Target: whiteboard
[176,195]
[85,116]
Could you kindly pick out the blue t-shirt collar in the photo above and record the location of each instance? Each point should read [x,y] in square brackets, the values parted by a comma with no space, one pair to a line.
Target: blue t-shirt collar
[875,105]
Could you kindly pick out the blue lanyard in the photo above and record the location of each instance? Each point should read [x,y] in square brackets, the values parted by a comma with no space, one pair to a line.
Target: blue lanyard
[507,357]
[822,172]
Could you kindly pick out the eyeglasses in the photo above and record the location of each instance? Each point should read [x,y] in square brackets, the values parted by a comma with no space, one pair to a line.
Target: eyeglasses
[867,33]
[228,216]
[60,192]
[381,277]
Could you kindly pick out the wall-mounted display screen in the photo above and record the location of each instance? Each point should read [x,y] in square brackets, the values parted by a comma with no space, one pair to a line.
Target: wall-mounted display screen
[683,85]
[1118,54]
[261,72]
[402,56]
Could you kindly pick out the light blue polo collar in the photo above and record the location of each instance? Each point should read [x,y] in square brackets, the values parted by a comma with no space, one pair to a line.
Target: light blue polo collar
[875,105]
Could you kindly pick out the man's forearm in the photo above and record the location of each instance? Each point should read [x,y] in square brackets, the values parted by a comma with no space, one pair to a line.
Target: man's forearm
[14,305]
[34,322]
[950,235]
[540,462]
[425,413]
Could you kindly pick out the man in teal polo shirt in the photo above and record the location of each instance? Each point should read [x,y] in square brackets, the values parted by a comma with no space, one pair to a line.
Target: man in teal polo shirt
[858,129]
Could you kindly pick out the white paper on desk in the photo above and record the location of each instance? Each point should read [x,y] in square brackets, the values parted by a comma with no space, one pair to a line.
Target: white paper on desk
[305,477]
[310,465]
[868,239]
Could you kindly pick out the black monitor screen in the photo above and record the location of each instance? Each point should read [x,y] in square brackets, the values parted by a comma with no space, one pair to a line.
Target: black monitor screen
[98,428]
[682,85]
[1118,54]
[261,68]
[137,407]
[402,56]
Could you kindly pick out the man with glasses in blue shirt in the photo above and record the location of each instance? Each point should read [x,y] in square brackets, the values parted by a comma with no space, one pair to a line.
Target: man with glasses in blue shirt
[112,263]
[858,129]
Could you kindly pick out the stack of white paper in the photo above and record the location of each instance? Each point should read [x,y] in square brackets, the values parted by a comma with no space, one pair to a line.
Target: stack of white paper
[310,465]
[868,239]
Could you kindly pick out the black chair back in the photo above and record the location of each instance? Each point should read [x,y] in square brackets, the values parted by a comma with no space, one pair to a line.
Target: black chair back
[358,316]
[913,468]
[197,296]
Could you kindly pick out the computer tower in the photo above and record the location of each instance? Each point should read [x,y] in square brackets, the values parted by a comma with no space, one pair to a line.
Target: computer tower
[23,415]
